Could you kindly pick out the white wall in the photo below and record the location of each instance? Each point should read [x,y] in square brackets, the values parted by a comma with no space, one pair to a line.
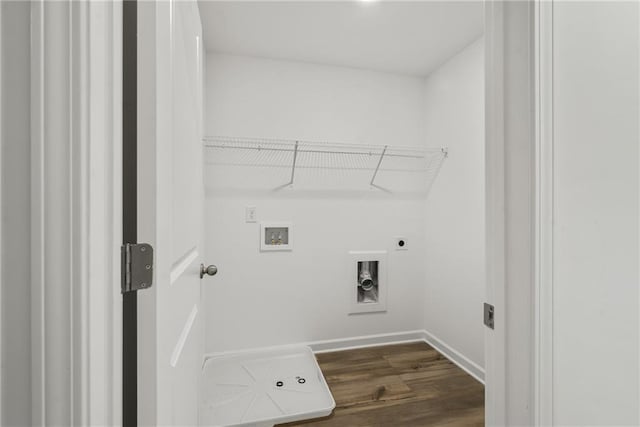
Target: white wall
[261,299]
[455,245]
[596,189]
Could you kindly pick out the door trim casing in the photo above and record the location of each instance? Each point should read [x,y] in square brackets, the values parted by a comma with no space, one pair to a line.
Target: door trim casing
[510,166]
[75,212]
[495,357]
[544,214]
[1,234]
[95,214]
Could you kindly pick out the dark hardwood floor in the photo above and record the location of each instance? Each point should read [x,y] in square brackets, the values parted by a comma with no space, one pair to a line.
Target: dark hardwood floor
[399,385]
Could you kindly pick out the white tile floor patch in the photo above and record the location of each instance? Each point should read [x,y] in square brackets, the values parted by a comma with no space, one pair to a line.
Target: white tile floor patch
[263,388]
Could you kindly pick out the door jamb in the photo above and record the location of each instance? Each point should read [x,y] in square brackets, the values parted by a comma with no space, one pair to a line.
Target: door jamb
[495,340]
[496,402]
[511,211]
[543,397]
[1,260]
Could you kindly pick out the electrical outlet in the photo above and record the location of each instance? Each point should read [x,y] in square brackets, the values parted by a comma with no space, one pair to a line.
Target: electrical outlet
[250,214]
[401,243]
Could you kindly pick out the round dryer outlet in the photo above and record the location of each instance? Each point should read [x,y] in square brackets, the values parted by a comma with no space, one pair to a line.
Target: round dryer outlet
[401,243]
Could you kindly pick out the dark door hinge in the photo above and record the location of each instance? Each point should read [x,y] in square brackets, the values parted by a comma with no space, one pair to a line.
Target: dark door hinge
[137,266]
[489,315]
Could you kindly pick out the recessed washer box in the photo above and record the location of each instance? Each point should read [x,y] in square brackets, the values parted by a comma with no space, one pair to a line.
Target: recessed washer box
[276,236]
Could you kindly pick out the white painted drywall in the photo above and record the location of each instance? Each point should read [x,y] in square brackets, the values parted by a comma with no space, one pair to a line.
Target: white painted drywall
[262,299]
[16,164]
[596,188]
[455,238]
[400,37]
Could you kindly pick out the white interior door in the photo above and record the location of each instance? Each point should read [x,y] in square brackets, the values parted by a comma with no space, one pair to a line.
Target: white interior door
[170,206]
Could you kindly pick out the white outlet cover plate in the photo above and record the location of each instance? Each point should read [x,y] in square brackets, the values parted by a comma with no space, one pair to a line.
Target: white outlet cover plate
[250,214]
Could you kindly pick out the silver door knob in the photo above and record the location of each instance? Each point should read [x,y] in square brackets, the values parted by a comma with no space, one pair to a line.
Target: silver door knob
[210,270]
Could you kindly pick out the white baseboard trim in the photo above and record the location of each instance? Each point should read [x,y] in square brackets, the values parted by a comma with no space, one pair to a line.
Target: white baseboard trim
[447,351]
[325,346]
[364,341]
[340,344]
[455,356]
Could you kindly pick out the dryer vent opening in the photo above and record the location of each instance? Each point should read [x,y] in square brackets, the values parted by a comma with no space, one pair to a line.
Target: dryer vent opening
[368,282]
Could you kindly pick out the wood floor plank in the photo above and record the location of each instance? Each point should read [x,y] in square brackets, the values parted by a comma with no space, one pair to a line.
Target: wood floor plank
[398,385]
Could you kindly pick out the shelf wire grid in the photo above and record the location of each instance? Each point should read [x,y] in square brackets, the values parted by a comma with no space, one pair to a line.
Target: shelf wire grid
[338,158]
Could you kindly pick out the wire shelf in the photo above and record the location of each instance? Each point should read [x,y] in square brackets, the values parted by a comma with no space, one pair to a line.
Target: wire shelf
[295,156]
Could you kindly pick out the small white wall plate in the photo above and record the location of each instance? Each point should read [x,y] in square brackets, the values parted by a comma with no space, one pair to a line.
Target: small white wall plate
[276,236]
[250,214]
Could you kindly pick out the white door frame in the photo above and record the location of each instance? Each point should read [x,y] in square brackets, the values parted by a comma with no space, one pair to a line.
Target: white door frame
[510,166]
[544,214]
[76,195]
[495,358]
[1,261]
[93,212]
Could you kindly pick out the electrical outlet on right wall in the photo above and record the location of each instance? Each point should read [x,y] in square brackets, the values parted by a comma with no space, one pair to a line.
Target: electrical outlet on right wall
[401,243]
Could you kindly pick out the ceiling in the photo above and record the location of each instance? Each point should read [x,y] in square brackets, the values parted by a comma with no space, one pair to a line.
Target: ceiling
[410,38]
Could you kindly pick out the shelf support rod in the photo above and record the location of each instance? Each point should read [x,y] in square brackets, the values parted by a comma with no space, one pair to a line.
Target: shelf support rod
[373,178]
[293,166]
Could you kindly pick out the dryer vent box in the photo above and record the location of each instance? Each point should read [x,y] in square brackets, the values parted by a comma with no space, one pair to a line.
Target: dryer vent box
[367,281]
